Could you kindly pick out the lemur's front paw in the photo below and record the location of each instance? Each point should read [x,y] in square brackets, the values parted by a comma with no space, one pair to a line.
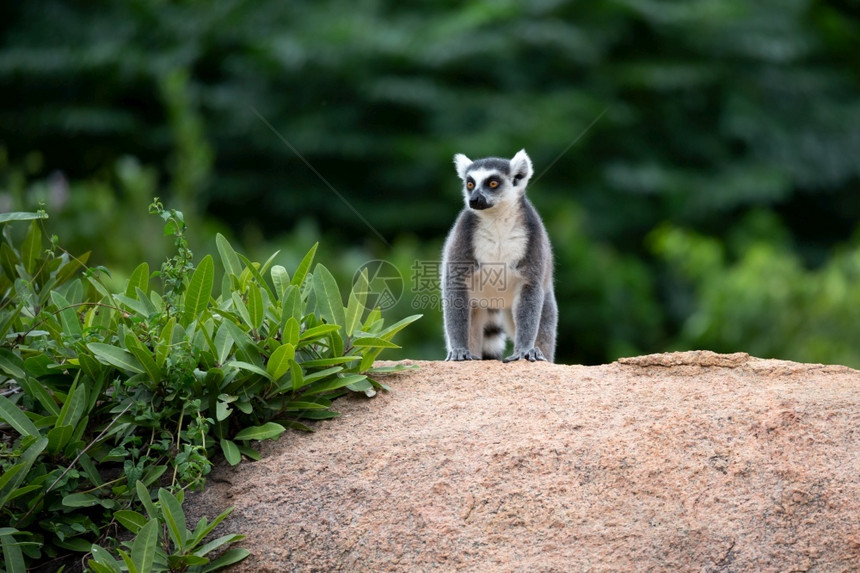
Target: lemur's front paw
[458,354]
[530,355]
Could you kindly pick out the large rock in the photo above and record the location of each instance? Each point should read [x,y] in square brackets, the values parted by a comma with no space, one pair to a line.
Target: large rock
[691,461]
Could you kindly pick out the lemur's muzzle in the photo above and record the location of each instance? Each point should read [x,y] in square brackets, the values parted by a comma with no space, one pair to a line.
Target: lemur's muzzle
[478,201]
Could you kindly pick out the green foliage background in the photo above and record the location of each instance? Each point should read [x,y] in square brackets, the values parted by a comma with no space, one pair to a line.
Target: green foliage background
[712,203]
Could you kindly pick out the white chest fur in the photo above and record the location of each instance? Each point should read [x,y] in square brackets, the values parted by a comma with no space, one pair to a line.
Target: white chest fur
[500,236]
[500,243]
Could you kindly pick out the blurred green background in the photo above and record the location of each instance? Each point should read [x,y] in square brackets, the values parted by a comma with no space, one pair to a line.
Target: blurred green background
[712,204]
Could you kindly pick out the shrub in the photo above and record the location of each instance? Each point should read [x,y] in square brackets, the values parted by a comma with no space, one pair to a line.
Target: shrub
[108,395]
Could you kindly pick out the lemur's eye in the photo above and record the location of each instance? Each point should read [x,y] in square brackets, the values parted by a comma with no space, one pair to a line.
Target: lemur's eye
[494,184]
[470,185]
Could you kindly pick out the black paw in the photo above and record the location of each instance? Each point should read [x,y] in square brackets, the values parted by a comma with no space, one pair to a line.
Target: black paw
[458,354]
[530,355]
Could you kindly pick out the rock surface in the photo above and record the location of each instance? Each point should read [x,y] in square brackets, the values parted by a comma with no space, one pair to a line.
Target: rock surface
[689,461]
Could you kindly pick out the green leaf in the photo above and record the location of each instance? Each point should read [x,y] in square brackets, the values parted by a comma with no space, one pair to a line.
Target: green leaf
[223,344]
[368,358]
[58,437]
[222,411]
[373,341]
[203,528]
[304,267]
[68,270]
[103,558]
[329,302]
[246,348]
[217,543]
[292,305]
[114,356]
[12,477]
[144,355]
[36,390]
[335,343]
[15,417]
[74,406]
[165,340]
[129,563]
[231,452]
[255,306]
[249,367]
[31,248]
[199,290]
[68,316]
[12,556]
[144,546]
[362,386]
[357,300]
[389,332]
[96,567]
[372,321]
[333,361]
[391,369]
[250,453]
[319,331]
[241,309]
[229,258]
[11,364]
[174,517]
[264,432]
[139,279]
[229,557]
[21,491]
[255,272]
[281,280]
[21,216]
[89,467]
[279,361]
[291,332]
[146,499]
[80,500]
[9,481]
[77,544]
[131,520]
[336,383]
[296,375]
[137,306]
[320,374]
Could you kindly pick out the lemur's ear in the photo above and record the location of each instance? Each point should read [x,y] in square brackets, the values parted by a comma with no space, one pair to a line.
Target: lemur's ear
[462,163]
[521,167]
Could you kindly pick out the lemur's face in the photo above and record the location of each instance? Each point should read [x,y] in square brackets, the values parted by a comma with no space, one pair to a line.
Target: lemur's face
[492,181]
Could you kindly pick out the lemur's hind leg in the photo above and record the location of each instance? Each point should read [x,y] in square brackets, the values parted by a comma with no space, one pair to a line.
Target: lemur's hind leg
[548,324]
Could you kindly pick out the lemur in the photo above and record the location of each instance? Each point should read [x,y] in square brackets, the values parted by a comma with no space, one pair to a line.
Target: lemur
[497,267]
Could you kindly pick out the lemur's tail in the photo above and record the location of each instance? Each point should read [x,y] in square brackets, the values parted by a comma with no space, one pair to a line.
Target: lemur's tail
[493,347]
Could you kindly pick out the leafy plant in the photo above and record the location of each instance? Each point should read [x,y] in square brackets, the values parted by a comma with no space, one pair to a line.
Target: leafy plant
[108,394]
[182,548]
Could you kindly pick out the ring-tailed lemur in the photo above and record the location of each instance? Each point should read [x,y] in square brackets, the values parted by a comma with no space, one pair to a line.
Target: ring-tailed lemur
[497,267]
